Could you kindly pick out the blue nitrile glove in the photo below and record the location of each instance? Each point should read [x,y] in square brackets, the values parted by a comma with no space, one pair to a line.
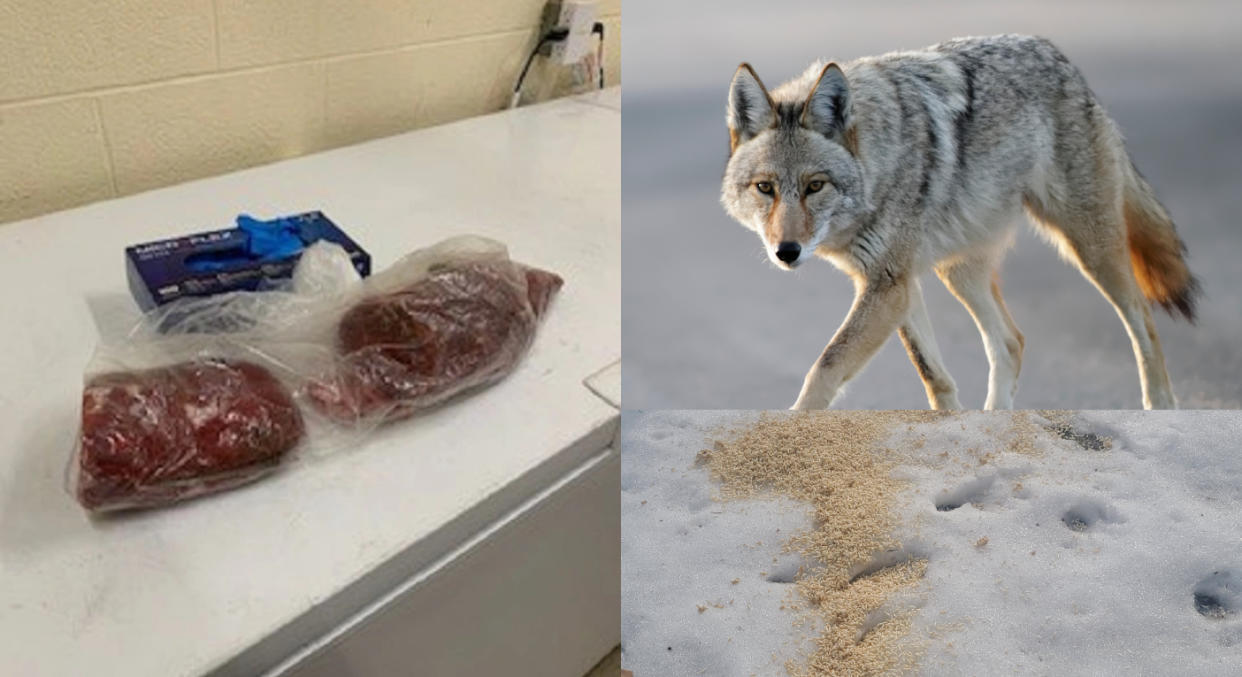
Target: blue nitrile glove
[264,241]
[271,240]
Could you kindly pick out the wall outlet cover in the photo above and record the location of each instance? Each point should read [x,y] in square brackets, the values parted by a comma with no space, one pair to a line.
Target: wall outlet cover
[579,17]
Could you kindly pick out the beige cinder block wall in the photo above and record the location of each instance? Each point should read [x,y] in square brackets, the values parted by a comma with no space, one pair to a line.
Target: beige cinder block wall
[103,99]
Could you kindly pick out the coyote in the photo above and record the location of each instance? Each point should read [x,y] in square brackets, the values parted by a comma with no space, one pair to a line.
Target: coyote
[894,165]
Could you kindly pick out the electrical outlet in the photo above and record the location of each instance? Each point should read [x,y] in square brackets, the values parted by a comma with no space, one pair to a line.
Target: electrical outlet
[579,17]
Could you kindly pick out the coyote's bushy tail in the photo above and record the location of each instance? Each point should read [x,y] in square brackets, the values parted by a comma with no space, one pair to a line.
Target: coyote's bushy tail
[1156,252]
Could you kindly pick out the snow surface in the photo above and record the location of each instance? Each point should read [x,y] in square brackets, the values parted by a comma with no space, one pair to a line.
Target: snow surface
[710,323]
[1098,561]
[681,550]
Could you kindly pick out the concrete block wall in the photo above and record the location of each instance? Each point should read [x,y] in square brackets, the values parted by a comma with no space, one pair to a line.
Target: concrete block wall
[103,99]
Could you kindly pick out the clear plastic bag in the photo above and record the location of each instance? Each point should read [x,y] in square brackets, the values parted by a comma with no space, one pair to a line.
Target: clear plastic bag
[210,393]
[451,318]
[297,310]
[193,426]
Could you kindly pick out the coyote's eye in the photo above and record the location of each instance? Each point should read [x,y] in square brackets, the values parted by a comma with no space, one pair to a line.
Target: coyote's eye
[814,187]
[764,187]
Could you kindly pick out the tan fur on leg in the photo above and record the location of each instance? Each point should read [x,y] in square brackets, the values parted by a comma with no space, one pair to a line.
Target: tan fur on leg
[879,307]
[916,335]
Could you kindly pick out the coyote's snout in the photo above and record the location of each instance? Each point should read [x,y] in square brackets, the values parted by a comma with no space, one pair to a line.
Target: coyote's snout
[788,253]
[893,166]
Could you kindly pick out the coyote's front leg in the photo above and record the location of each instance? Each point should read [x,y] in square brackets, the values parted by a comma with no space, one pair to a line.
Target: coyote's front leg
[916,335]
[880,304]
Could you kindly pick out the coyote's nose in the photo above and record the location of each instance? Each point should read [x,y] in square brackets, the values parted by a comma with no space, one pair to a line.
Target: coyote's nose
[788,251]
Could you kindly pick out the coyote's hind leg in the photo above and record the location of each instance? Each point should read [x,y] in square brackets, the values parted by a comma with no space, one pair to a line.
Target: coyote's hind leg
[1097,244]
[1112,275]
[973,281]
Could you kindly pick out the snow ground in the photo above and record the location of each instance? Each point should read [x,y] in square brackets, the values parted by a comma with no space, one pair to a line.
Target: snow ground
[681,550]
[1098,561]
[709,323]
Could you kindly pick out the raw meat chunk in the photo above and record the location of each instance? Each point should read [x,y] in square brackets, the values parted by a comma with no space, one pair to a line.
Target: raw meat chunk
[162,435]
[463,325]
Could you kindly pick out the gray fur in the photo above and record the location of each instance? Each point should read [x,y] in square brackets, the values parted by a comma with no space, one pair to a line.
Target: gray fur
[828,105]
[750,108]
[956,134]
[953,142]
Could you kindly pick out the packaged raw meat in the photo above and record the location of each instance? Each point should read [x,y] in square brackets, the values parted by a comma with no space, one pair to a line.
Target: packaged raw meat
[155,436]
[457,316]
[209,393]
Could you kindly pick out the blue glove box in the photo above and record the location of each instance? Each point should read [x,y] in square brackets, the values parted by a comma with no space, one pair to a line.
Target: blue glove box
[247,257]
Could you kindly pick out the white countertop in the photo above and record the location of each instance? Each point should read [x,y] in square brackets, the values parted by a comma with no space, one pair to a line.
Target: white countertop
[189,589]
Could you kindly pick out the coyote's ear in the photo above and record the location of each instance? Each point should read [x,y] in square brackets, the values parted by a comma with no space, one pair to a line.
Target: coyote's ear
[827,108]
[750,107]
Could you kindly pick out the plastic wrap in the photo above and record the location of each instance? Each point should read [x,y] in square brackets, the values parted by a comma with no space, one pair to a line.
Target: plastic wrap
[300,309]
[209,393]
[155,436]
[443,321]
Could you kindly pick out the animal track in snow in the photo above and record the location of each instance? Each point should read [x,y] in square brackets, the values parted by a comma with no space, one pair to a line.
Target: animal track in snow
[1219,594]
[883,560]
[1085,514]
[972,491]
[1087,440]
[871,622]
[785,572]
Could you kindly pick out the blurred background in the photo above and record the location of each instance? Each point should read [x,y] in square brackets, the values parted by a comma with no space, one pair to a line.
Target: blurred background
[709,323]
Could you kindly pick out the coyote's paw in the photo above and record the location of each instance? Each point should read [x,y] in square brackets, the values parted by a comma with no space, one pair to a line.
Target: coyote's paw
[809,403]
